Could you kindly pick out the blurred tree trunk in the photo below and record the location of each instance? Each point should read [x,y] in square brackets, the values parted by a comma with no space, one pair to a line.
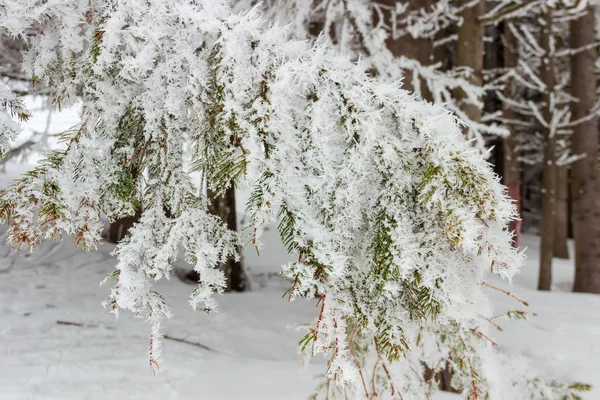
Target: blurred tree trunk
[549,165]
[585,173]
[511,171]
[419,49]
[224,207]
[120,228]
[561,233]
[470,51]
[11,57]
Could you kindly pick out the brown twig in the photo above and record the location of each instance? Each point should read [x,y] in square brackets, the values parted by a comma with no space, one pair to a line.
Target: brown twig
[362,378]
[354,25]
[476,330]
[181,340]
[507,314]
[474,393]
[322,301]
[153,363]
[509,294]
[60,322]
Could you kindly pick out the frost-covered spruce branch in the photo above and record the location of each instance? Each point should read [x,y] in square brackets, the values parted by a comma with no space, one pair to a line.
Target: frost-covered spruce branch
[364,28]
[394,217]
[10,108]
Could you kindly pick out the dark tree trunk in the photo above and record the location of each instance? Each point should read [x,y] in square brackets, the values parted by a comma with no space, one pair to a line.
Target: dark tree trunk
[470,51]
[511,171]
[443,378]
[549,166]
[120,228]
[419,49]
[585,185]
[224,207]
[561,233]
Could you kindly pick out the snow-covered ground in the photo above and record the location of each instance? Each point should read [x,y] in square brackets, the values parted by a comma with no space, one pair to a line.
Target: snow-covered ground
[56,342]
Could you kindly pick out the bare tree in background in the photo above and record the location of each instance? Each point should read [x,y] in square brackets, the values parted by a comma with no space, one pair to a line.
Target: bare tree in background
[585,187]
[549,154]
[470,52]
[511,172]
[561,233]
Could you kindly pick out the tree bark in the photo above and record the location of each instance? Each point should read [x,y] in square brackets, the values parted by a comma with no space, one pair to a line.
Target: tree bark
[585,174]
[561,233]
[470,52]
[549,167]
[224,207]
[419,49]
[120,228]
[511,171]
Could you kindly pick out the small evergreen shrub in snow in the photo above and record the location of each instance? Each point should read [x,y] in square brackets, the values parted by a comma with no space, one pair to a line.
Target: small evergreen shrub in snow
[394,218]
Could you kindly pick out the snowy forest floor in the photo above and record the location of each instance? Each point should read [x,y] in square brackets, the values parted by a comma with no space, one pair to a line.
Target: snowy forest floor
[56,342]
